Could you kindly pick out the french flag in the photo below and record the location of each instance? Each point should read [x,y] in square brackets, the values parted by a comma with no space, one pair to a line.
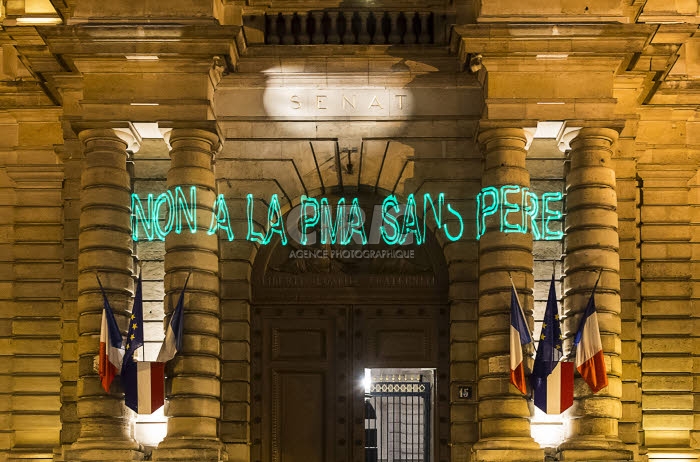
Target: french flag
[144,386]
[111,352]
[173,335]
[519,336]
[556,394]
[590,361]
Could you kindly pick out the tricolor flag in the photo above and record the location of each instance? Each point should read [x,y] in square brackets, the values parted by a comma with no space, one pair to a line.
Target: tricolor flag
[590,361]
[556,394]
[552,381]
[134,340]
[110,358]
[173,336]
[519,336]
[144,385]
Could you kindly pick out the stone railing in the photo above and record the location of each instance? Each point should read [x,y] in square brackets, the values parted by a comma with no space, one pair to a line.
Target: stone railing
[354,27]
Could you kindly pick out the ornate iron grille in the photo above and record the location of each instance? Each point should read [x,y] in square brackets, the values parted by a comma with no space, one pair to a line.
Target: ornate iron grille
[397,422]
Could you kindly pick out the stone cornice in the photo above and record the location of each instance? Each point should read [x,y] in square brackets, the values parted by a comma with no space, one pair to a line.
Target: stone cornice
[160,40]
[534,39]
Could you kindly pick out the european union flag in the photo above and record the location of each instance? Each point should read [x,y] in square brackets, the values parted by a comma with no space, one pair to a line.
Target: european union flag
[549,351]
[134,336]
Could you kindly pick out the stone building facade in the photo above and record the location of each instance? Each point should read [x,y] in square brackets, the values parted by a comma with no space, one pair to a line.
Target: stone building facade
[258,105]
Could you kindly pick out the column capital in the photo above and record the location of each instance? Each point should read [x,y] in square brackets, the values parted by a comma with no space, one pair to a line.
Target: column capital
[172,135]
[513,133]
[126,135]
[572,133]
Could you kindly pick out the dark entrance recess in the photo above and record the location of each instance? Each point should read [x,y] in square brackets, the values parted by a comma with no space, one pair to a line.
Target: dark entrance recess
[317,324]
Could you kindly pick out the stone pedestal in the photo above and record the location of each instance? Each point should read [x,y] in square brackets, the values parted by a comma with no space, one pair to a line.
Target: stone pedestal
[193,402]
[104,246]
[591,244]
[504,414]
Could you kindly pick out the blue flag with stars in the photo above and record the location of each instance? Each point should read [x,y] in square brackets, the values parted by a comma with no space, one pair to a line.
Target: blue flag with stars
[549,350]
[134,336]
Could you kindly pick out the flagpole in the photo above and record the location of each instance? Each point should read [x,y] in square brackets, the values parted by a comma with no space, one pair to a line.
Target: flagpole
[520,306]
[139,263]
[600,273]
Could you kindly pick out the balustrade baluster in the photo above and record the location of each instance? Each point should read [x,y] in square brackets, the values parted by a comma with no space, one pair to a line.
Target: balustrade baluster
[341,26]
[356,27]
[364,35]
[297,36]
[269,40]
[371,27]
[311,29]
[416,27]
[431,27]
[280,28]
[326,27]
[401,27]
[386,27]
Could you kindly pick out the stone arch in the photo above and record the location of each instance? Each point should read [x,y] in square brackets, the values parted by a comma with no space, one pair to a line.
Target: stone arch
[242,265]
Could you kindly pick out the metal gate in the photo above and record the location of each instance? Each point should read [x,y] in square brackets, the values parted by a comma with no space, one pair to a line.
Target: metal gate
[397,422]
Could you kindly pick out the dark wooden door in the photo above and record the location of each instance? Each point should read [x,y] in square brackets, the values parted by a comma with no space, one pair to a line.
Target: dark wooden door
[305,405]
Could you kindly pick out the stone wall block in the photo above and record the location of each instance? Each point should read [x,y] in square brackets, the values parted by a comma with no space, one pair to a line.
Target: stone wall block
[493,324]
[498,280]
[588,176]
[591,196]
[199,177]
[191,258]
[515,407]
[187,240]
[591,218]
[100,216]
[193,430]
[103,237]
[198,343]
[200,364]
[494,344]
[199,282]
[116,260]
[591,240]
[106,177]
[506,426]
[195,406]
[591,260]
[507,176]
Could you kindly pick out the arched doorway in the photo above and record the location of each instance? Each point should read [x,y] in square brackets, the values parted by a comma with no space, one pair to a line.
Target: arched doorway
[321,316]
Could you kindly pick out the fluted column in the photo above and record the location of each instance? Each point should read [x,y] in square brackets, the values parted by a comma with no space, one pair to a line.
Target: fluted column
[591,243]
[504,415]
[104,246]
[193,407]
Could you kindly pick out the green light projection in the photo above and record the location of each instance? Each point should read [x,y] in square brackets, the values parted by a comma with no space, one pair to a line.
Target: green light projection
[516,208]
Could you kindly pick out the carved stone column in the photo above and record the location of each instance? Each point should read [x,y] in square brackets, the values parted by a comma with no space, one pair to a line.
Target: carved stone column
[504,415]
[104,246]
[591,243]
[194,407]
